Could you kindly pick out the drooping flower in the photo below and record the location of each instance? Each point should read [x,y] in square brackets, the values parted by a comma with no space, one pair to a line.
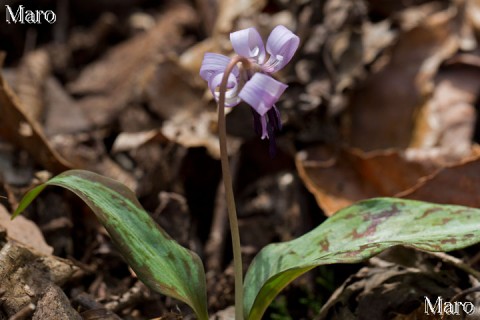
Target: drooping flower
[255,86]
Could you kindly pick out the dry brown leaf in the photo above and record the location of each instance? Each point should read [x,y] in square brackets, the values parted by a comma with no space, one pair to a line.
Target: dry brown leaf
[120,77]
[457,184]
[127,141]
[30,82]
[62,114]
[338,178]
[19,128]
[170,90]
[50,154]
[24,231]
[383,109]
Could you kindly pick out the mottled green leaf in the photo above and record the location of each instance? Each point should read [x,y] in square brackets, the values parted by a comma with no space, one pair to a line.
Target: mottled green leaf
[158,260]
[354,234]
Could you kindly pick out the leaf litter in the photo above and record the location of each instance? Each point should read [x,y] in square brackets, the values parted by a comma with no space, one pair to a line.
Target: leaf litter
[382,101]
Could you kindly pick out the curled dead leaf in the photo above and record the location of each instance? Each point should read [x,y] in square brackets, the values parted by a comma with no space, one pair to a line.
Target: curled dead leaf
[338,178]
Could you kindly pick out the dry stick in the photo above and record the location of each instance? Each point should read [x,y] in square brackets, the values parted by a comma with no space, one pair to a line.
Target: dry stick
[464,293]
[215,244]
[128,299]
[456,263]
[214,247]
[227,180]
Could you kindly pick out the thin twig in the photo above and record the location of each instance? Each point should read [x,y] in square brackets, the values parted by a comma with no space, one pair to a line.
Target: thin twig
[215,244]
[464,293]
[214,247]
[456,262]
[129,298]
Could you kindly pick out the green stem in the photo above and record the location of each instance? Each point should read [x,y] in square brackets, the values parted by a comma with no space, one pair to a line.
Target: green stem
[227,180]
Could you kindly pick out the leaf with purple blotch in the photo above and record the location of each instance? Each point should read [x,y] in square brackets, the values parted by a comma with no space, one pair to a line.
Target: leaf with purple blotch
[356,233]
[158,260]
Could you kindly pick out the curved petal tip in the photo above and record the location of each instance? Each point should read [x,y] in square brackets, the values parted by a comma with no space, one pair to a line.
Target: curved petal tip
[213,64]
[248,43]
[231,97]
[281,45]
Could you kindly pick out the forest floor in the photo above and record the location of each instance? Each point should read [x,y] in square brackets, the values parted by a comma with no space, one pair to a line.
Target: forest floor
[382,101]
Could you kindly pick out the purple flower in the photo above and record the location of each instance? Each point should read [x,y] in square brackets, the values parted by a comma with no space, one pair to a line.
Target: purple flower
[255,86]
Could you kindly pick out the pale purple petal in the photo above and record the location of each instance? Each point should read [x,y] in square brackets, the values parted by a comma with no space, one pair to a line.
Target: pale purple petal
[213,64]
[281,45]
[231,96]
[261,92]
[249,44]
